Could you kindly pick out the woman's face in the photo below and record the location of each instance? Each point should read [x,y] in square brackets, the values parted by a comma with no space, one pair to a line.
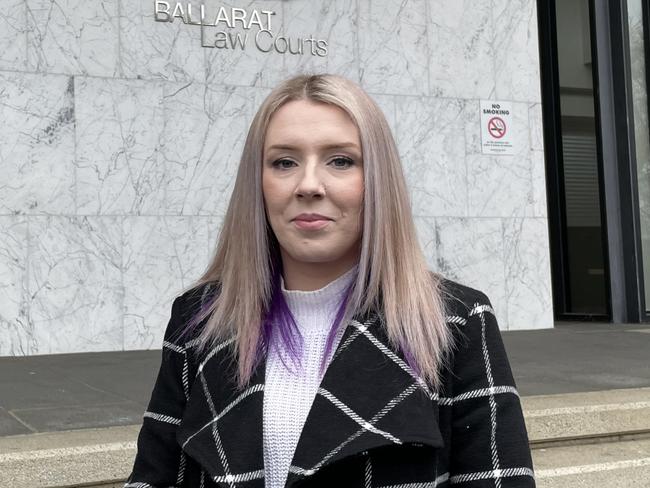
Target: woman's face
[312,180]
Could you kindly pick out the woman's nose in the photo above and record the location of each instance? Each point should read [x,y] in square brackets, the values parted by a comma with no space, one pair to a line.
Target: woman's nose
[310,182]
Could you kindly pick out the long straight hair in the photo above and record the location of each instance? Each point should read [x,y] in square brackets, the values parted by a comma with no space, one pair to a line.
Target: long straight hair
[392,274]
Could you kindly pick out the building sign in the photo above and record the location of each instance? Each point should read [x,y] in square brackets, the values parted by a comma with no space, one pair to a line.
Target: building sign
[496,127]
[238,28]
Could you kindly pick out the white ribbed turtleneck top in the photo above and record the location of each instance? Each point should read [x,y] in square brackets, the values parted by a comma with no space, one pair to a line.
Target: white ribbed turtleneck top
[288,396]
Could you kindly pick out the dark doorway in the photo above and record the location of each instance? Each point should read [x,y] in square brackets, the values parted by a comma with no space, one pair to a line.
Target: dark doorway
[573,159]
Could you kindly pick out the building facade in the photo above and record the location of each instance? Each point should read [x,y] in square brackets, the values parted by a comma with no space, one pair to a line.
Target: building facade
[121,135]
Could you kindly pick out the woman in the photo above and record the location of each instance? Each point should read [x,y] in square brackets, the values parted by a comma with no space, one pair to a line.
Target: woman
[317,349]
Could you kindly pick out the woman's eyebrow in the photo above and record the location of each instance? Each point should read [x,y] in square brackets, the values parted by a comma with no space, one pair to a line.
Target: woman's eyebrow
[334,145]
[280,146]
[340,145]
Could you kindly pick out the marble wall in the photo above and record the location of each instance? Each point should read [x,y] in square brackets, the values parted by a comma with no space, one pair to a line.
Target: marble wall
[120,138]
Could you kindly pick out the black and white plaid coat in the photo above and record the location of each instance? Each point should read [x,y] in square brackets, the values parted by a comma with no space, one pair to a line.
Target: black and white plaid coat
[373,423]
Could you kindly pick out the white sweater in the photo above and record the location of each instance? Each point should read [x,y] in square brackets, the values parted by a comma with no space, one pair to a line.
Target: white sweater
[288,396]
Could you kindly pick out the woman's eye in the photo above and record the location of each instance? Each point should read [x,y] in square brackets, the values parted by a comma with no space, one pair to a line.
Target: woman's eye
[282,163]
[342,162]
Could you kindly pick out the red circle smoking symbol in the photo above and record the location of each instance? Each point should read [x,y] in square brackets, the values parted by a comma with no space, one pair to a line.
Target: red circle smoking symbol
[497,127]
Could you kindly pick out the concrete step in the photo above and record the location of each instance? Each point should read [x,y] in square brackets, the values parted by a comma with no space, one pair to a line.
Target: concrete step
[576,418]
[623,464]
[613,423]
[89,458]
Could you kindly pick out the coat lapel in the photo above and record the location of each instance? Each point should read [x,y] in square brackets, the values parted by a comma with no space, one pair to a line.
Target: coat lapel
[368,398]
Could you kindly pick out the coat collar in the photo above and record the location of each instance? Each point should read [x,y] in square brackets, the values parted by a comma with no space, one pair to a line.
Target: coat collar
[368,397]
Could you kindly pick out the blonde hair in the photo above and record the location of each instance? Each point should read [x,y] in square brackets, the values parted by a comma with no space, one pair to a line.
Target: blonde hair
[392,270]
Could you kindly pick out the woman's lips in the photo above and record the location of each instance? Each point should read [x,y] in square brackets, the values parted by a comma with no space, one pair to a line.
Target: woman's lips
[311,224]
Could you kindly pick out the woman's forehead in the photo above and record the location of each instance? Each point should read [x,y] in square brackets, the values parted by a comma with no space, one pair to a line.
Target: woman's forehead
[303,121]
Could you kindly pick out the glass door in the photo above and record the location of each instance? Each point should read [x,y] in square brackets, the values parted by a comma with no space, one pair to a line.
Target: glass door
[576,217]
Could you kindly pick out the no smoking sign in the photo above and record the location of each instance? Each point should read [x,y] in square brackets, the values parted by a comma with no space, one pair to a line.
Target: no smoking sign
[496,127]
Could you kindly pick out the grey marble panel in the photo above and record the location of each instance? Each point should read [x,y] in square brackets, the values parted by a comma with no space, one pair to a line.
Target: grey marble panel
[119,125]
[204,134]
[162,255]
[75,284]
[537,159]
[13,35]
[158,50]
[472,119]
[36,157]
[471,251]
[516,52]
[259,95]
[247,66]
[538,167]
[73,37]
[431,141]
[461,48]
[527,273]
[499,186]
[536,126]
[336,23]
[393,53]
[16,331]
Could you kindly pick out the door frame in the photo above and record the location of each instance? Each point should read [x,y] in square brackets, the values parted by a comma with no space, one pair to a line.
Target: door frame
[616,118]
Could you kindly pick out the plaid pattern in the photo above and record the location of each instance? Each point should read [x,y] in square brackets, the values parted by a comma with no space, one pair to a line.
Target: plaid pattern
[374,423]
